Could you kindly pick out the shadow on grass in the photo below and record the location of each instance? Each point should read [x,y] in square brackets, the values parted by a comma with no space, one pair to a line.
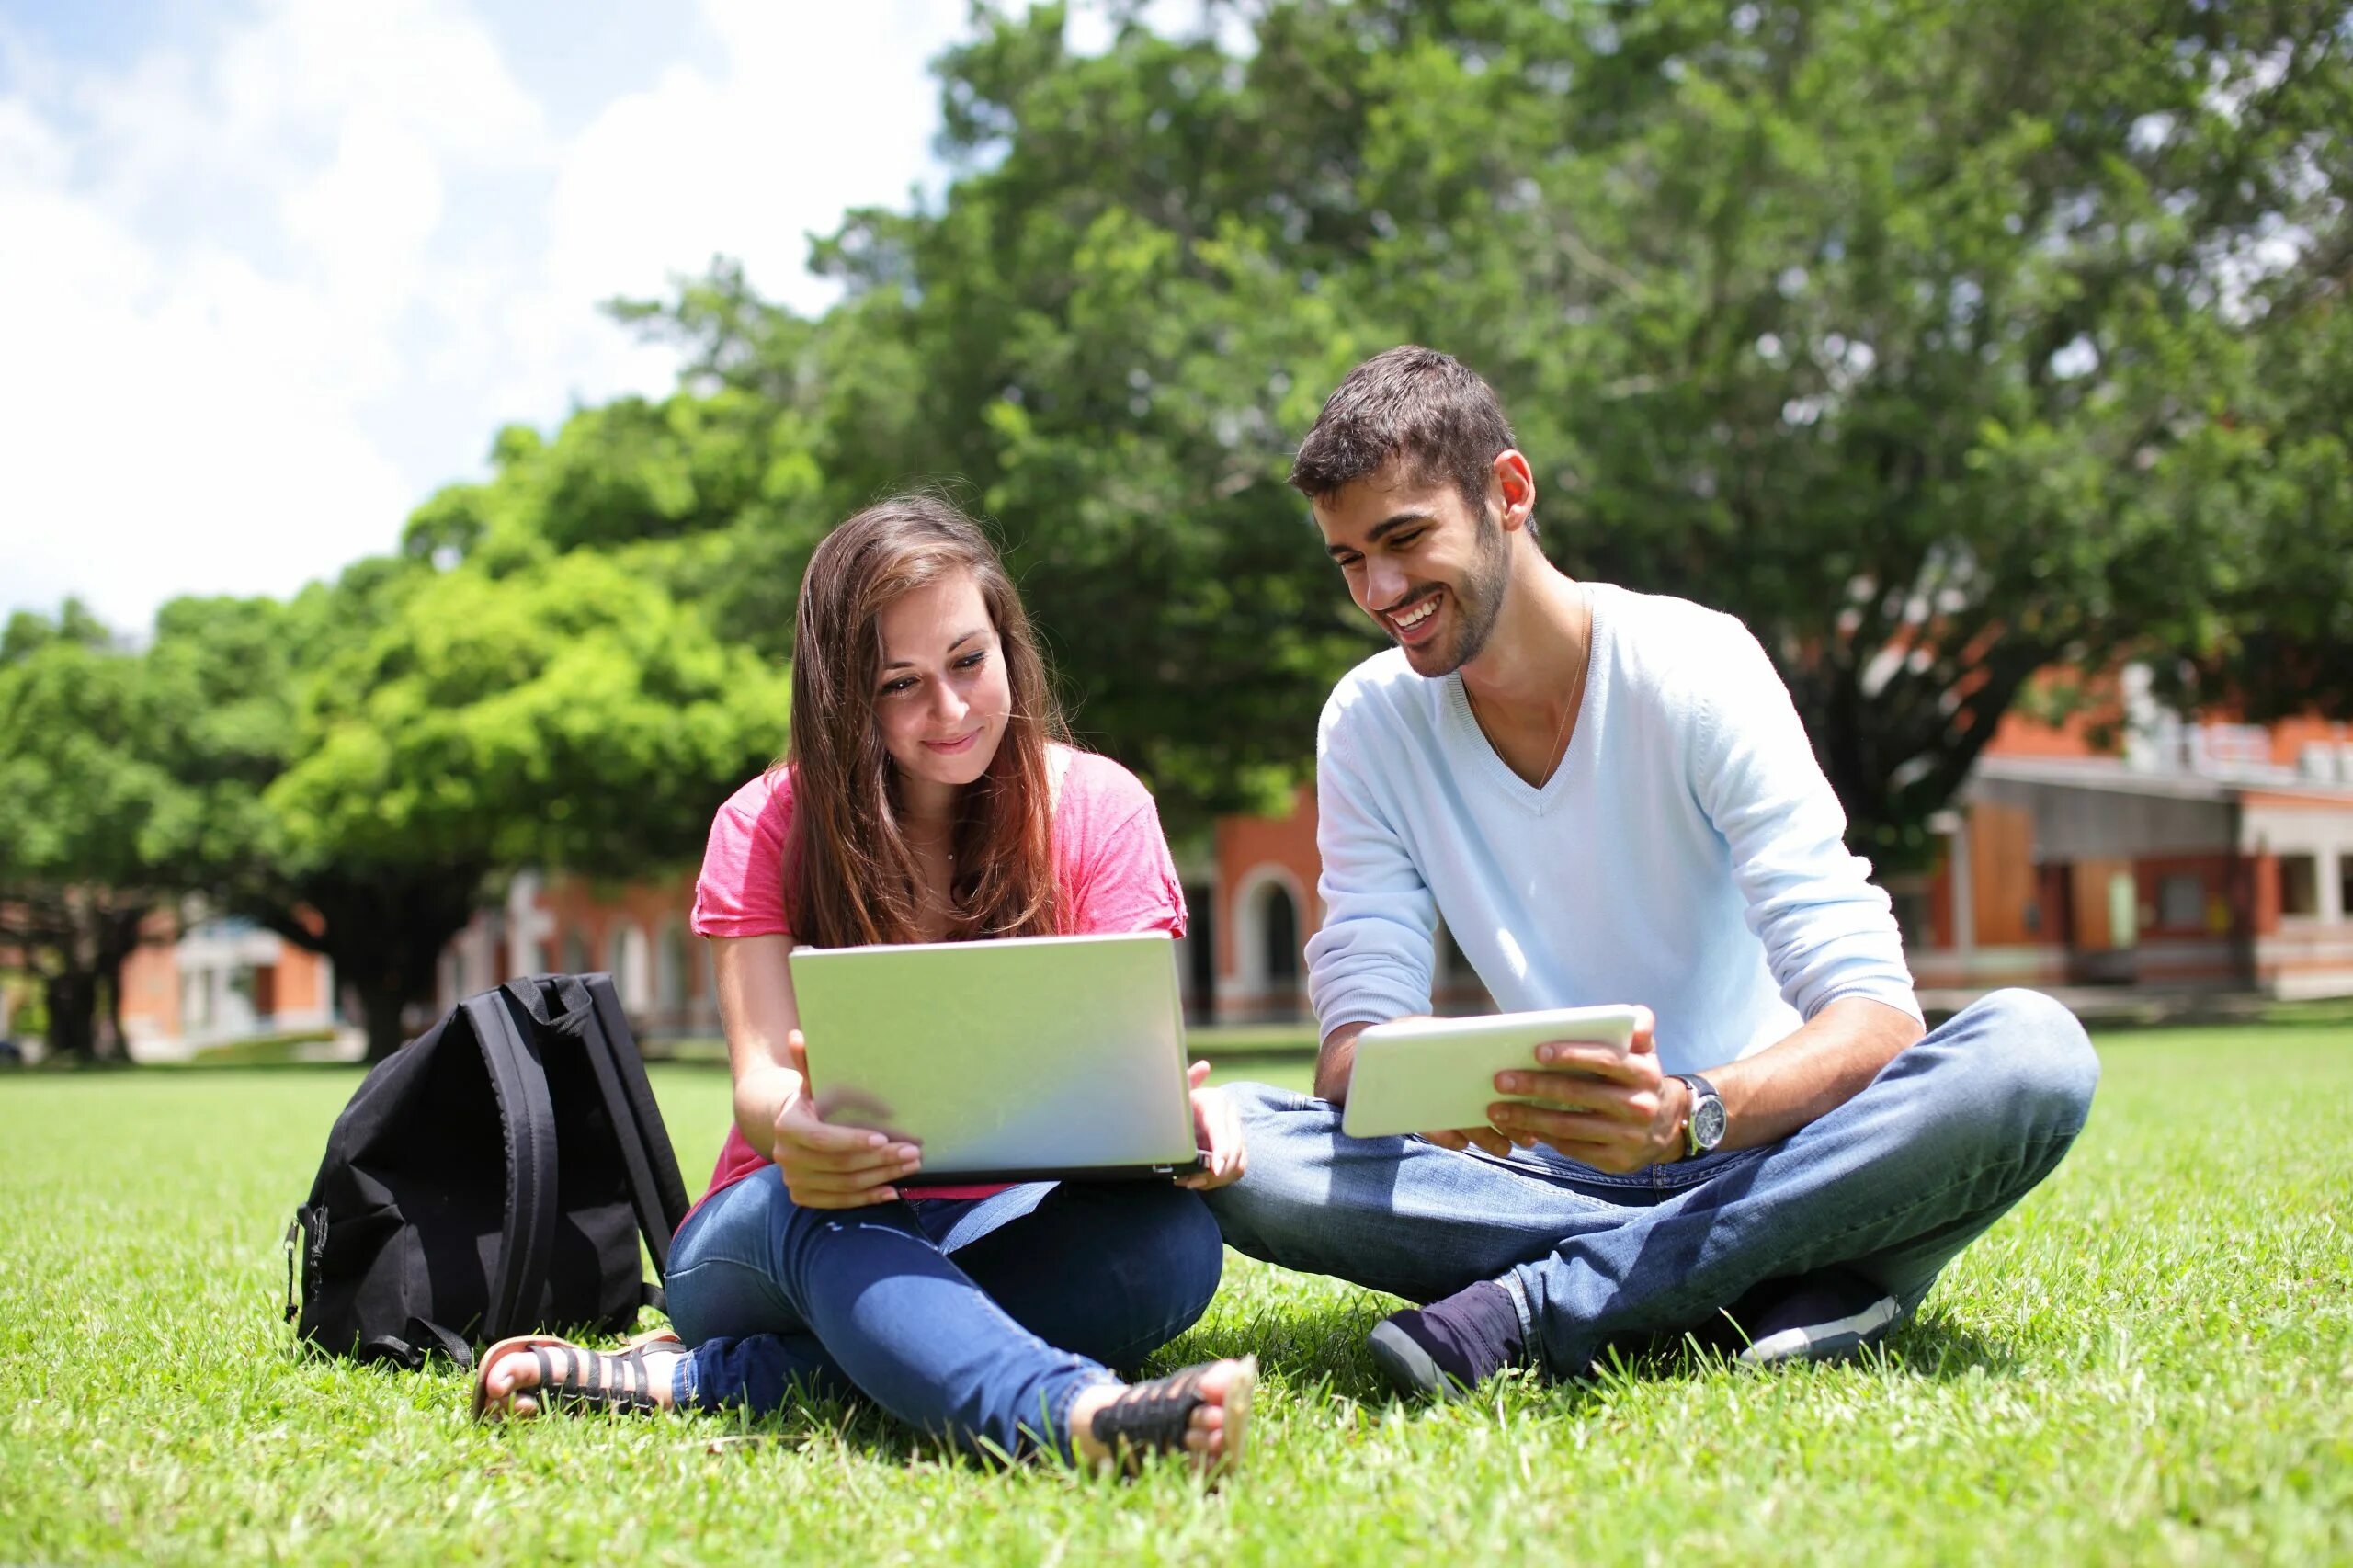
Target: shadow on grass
[1326,1351]
[1319,1360]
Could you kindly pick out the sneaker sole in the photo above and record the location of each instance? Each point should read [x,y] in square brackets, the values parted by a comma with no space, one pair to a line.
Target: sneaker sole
[1833,1341]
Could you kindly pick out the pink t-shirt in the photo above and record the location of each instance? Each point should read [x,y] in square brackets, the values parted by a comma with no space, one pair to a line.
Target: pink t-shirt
[1111,864]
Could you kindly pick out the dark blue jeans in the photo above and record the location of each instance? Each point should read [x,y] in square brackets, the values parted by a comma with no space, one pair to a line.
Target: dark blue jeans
[976,1320]
[1893,1183]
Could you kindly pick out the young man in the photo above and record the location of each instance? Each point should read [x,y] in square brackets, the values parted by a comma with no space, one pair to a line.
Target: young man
[1607,797]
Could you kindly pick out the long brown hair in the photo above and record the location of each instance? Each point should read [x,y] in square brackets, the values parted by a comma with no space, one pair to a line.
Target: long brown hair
[853,875]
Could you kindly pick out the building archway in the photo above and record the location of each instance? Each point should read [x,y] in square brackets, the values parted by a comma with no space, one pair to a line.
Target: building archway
[1279,927]
[1269,928]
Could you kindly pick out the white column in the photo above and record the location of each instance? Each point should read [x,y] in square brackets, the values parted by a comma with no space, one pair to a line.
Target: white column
[527,924]
[1964,893]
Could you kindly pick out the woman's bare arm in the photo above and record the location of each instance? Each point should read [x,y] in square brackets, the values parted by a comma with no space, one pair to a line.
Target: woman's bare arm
[756,1011]
[825,1166]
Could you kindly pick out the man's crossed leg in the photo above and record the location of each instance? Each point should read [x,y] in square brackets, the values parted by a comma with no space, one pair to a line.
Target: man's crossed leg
[1884,1191]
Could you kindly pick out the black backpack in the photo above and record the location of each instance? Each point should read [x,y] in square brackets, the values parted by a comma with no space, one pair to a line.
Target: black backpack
[489,1178]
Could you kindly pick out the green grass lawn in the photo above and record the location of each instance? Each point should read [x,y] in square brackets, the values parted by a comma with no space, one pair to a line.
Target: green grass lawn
[2150,1360]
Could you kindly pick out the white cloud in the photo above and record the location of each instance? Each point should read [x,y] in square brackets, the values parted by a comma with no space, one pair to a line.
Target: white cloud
[264,287]
[814,114]
[259,294]
[817,108]
[207,265]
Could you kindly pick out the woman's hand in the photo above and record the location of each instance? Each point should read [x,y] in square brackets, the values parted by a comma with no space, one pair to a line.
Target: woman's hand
[1217,1131]
[827,1167]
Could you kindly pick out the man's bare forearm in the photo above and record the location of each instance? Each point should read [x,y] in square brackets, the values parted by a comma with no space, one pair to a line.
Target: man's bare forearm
[1334,1060]
[1812,1073]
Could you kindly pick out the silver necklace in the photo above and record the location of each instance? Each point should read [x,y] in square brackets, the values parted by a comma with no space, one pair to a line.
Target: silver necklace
[1576,700]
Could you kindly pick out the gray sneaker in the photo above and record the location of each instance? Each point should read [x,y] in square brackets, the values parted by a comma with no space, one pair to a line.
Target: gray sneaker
[1825,1316]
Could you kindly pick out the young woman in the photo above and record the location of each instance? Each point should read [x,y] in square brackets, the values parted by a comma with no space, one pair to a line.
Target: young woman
[924,797]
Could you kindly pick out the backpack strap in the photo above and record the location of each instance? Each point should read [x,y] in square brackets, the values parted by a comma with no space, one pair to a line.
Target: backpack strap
[570,1012]
[654,1187]
[424,1337]
[528,1240]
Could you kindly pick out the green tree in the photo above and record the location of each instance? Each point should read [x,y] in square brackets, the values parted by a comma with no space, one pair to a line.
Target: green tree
[95,824]
[1933,340]
[455,725]
[715,492]
[1928,338]
[2281,640]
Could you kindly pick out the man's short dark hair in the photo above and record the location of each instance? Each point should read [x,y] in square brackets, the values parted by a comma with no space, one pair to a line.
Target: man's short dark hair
[1417,402]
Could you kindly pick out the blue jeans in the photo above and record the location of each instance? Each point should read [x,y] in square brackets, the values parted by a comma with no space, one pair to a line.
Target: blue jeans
[1891,1185]
[976,1320]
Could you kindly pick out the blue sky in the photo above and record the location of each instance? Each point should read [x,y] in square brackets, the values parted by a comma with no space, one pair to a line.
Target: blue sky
[273,270]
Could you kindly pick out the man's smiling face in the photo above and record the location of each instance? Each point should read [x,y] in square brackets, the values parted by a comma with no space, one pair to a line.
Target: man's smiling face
[1424,562]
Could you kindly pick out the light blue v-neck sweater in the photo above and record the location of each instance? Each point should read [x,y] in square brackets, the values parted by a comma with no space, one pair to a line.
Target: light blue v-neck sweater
[1688,853]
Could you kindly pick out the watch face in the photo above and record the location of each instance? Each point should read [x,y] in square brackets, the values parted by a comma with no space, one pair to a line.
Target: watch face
[1708,1122]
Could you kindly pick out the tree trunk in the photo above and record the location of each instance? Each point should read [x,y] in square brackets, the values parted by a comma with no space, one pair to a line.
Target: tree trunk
[383,928]
[76,938]
[118,939]
[381,1003]
[72,1001]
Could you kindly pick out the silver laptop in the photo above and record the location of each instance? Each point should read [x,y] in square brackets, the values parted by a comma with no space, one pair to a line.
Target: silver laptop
[1030,1058]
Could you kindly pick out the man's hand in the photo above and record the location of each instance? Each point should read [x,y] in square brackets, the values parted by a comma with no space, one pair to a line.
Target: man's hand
[1486,1138]
[827,1167]
[1217,1131]
[1615,1113]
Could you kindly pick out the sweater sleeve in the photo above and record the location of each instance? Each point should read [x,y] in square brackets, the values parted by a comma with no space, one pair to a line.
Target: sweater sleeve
[1371,960]
[1828,932]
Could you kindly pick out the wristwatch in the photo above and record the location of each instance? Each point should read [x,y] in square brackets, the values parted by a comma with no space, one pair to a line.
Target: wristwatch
[1703,1125]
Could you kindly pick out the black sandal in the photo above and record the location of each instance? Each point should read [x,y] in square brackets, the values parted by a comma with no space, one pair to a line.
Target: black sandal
[1153,1418]
[590,1380]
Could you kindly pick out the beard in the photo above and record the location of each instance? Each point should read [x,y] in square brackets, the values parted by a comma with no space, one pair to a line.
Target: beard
[1478,604]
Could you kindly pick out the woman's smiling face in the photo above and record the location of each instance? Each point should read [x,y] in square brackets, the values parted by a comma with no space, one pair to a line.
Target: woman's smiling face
[942,699]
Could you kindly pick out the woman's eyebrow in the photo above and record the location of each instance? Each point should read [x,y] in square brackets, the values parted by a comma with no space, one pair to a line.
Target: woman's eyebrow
[909,663]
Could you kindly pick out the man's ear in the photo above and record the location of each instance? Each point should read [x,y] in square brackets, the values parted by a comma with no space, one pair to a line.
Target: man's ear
[1512,485]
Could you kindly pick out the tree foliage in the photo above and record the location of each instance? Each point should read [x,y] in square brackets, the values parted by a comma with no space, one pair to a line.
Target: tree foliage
[99,827]
[567,714]
[1943,343]
[356,768]
[1946,345]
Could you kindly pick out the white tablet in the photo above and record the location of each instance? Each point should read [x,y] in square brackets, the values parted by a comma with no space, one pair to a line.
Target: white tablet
[1432,1075]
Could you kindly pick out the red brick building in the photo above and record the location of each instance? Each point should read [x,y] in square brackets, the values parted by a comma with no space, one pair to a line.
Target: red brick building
[219,981]
[2205,856]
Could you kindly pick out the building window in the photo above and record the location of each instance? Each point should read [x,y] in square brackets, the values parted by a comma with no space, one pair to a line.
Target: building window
[2345,886]
[1281,929]
[2181,902]
[2300,885]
